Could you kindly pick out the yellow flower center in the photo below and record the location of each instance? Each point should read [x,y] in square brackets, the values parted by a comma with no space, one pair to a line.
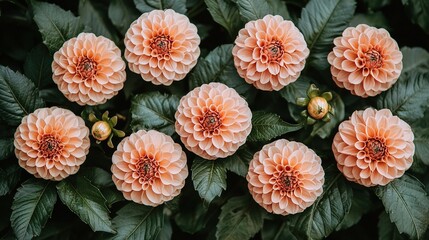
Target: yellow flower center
[211,122]
[147,168]
[375,149]
[50,147]
[86,68]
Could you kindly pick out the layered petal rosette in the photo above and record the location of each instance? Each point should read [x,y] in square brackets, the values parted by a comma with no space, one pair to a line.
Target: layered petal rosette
[51,143]
[373,147]
[285,177]
[149,168]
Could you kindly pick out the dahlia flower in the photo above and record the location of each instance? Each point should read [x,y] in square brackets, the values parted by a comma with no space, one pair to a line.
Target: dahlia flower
[162,46]
[285,177]
[89,69]
[365,60]
[270,53]
[373,147]
[149,168]
[213,121]
[51,143]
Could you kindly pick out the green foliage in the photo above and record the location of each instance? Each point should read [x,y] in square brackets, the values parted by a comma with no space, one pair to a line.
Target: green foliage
[18,96]
[407,204]
[386,229]
[209,178]
[421,140]
[135,221]
[324,129]
[32,206]
[225,12]
[9,178]
[149,5]
[37,66]
[414,59]
[55,24]
[193,219]
[329,210]
[418,10]
[321,21]
[238,163]
[6,148]
[154,110]
[240,218]
[253,9]
[86,201]
[122,13]
[274,230]
[266,126]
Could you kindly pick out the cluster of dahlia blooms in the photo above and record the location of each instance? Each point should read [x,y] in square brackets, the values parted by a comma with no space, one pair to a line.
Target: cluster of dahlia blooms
[285,177]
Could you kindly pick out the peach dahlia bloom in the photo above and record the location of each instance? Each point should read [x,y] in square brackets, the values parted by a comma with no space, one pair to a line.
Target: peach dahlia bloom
[149,168]
[365,60]
[285,177]
[162,46]
[51,143]
[89,69]
[213,121]
[270,53]
[373,147]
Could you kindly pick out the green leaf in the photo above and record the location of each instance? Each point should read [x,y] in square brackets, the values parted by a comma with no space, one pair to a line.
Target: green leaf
[279,8]
[376,4]
[32,206]
[414,59]
[240,218]
[93,14]
[218,66]
[166,231]
[55,24]
[386,229]
[407,204]
[6,148]
[322,218]
[37,66]
[321,21]
[18,96]
[112,195]
[122,13]
[209,178]
[86,201]
[193,218]
[97,176]
[418,10]
[154,110]
[266,126]
[9,177]
[135,221]
[373,19]
[296,89]
[238,163]
[358,209]
[225,12]
[253,9]
[149,5]
[421,140]
[273,230]
[408,98]
[324,129]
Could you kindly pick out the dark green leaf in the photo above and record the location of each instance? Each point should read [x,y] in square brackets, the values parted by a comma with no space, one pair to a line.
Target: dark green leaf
[6,148]
[279,8]
[97,176]
[122,13]
[166,231]
[324,129]
[238,163]
[149,5]
[86,201]
[93,14]
[408,98]
[57,230]
[154,110]
[209,178]
[376,4]
[421,140]
[37,66]
[192,219]
[32,206]
[55,24]
[273,230]
[240,218]
[373,19]
[135,221]
[407,204]
[418,10]
[266,126]
[9,177]
[296,89]
[18,96]
[225,12]
[359,208]
[322,218]
[386,229]
[112,195]
[253,9]
[218,66]
[321,21]
[414,59]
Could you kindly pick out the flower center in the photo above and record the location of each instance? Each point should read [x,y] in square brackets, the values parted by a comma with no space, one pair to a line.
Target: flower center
[375,149]
[211,122]
[147,168]
[50,147]
[373,59]
[86,68]
[274,51]
[161,44]
[287,181]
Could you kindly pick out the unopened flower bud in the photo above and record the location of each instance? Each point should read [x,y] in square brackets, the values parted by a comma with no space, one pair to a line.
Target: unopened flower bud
[318,107]
[101,130]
